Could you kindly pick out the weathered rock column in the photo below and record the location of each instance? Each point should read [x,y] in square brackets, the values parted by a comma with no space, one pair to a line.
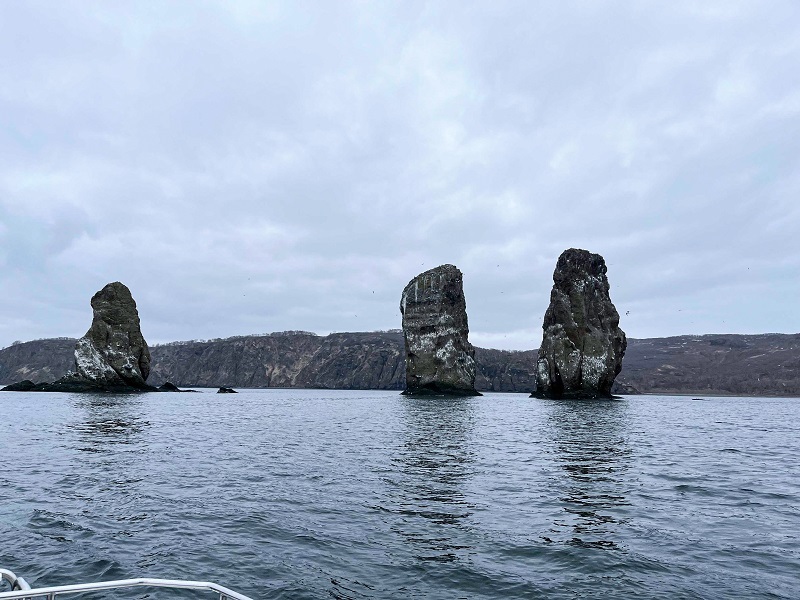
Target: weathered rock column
[439,358]
[583,346]
[113,351]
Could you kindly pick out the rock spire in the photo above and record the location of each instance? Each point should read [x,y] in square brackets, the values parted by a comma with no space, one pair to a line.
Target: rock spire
[439,358]
[113,351]
[582,346]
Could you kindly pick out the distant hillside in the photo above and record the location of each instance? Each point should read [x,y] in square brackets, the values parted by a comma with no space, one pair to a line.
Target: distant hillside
[39,360]
[755,365]
[747,365]
[291,359]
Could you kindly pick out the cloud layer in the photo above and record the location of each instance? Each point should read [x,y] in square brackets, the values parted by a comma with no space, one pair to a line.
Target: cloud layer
[247,168]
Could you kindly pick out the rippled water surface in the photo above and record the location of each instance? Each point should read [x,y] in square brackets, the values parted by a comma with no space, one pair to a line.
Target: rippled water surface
[351,494]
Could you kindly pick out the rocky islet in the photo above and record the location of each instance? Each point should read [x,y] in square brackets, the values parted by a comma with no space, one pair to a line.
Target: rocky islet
[113,355]
[113,351]
[439,358]
[583,345]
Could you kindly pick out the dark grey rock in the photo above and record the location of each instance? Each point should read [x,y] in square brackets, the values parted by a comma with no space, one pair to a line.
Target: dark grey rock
[168,386]
[624,388]
[583,346]
[72,383]
[112,357]
[226,390]
[113,351]
[439,357]
[26,385]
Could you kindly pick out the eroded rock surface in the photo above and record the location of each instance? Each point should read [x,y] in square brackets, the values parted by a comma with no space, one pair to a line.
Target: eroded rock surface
[439,357]
[583,346]
[113,351]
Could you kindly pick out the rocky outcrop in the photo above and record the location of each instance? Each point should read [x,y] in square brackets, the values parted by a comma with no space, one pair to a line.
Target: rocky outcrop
[168,386]
[624,388]
[111,357]
[113,351]
[26,385]
[439,357]
[582,346]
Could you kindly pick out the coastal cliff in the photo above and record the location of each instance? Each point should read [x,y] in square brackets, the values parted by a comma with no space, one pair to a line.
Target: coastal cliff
[37,360]
[291,359]
[747,365]
[357,360]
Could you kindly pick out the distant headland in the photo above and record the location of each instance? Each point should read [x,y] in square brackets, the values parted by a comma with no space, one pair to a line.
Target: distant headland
[740,365]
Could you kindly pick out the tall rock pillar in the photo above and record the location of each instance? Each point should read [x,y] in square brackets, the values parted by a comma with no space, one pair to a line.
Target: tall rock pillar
[582,346]
[113,351]
[439,358]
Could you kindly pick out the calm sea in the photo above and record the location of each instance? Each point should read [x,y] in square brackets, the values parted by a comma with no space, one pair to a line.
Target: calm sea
[352,494]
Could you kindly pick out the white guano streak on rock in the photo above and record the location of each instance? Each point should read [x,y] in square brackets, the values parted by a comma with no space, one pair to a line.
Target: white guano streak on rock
[91,364]
[446,353]
[427,341]
[592,367]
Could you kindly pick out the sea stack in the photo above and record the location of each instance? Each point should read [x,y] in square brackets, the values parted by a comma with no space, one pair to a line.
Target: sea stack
[113,351]
[583,346]
[439,358]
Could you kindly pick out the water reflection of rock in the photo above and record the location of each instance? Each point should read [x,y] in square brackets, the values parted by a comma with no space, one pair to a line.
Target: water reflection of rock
[590,442]
[108,421]
[433,464]
[108,444]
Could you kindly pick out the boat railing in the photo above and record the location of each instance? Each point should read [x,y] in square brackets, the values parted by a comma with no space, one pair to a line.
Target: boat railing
[16,583]
[21,589]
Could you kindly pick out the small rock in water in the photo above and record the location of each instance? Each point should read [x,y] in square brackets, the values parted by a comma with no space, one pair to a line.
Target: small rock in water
[582,346]
[439,358]
[26,385]
[226,390]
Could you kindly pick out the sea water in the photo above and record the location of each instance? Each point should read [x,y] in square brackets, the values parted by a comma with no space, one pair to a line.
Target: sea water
[366,494]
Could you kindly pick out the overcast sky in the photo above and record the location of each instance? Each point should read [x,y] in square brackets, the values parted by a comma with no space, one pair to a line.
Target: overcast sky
[247,167]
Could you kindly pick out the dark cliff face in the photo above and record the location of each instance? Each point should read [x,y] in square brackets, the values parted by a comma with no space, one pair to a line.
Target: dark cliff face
[304,360]
[747,365]
[359,361]
[582,345]
[505,370]
[249,361]
[39,360]
[338,361]
[439,357]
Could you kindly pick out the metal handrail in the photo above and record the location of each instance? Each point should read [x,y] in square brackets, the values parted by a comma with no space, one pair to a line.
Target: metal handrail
[52,592]
[17,583]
